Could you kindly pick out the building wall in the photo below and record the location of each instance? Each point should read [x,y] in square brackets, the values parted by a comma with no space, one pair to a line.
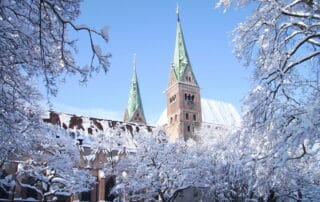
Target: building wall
[183,108]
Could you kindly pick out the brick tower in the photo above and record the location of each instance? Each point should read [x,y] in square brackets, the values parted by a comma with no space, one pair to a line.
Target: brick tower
[183,93]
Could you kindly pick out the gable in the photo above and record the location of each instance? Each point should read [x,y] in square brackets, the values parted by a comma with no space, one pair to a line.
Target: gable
[172,78]
[189,77]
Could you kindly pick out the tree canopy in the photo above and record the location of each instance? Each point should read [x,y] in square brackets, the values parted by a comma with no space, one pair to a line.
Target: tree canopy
[35,44]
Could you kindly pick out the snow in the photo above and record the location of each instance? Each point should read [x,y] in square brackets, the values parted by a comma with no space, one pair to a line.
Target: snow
[213,112]
[101,174]
[105,135]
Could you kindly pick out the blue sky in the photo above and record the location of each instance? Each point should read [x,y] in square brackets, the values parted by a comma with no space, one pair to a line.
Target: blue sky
[148,29]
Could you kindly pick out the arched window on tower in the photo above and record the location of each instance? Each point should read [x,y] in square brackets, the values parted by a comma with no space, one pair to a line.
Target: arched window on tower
[172,99]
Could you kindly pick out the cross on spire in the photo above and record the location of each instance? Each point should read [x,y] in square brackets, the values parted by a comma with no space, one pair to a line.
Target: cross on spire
[177,11]
[134,61]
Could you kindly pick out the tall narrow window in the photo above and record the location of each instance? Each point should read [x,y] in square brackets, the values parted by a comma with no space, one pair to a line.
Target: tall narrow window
[187,116]
[194,117]
[188,128]
[175,117]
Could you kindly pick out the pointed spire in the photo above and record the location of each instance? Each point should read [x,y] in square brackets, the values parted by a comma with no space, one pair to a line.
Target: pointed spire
[134,62]
[134,111]
[177,11]
[181,59]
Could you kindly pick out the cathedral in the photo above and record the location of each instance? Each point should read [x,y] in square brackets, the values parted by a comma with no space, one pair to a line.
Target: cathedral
[186,111]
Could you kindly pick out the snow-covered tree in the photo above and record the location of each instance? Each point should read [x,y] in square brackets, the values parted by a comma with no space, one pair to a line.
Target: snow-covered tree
[212,166]
[282,111]
[156,170]
[228,173]
[35,45]
[54,168]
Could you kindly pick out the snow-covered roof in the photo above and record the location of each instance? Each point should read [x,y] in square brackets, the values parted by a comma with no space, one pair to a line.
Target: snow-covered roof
[89,129]
[213,112]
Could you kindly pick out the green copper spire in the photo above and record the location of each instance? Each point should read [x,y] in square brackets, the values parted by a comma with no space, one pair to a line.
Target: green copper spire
[181,59]
[134,112]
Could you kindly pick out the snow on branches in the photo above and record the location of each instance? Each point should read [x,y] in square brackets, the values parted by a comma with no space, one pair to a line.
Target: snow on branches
[35,45]
[34,39]
[281,41]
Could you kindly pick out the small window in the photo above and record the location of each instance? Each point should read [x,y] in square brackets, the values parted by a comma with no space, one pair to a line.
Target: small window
[192,97]
[188,128]
[194,117]
[172,99]
[175,117]
[187,116]
[185,96]
[171,119]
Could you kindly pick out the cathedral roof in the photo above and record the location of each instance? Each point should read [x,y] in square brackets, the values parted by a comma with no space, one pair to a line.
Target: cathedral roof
[213,112]
[181,59]
[134,99]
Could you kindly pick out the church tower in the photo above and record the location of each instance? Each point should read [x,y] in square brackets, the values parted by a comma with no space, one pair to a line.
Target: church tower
[134,110]
[183,93]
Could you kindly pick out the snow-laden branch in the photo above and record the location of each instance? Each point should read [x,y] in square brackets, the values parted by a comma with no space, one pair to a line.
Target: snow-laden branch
[281,40]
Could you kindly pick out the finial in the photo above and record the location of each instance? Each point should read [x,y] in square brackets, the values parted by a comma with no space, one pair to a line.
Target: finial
[177,11]
[134,61]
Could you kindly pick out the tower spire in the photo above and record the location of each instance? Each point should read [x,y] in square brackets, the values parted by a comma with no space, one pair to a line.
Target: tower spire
[177,11]
[134,62]
[181,60]
[134,111]
[183,93]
